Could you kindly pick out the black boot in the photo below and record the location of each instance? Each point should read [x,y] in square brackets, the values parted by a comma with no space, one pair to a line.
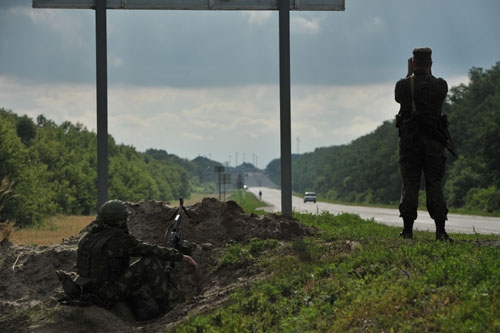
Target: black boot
[441,234]
[407,232]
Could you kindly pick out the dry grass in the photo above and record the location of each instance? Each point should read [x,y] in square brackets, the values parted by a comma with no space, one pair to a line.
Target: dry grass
[53,230]
[6,229]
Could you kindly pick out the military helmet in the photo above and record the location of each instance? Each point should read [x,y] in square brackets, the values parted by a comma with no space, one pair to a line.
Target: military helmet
[113,212]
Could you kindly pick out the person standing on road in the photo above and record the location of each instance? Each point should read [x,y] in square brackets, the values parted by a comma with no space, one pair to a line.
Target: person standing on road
[422,142]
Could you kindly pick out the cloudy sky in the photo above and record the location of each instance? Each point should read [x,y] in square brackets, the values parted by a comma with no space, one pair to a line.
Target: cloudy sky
[207,82]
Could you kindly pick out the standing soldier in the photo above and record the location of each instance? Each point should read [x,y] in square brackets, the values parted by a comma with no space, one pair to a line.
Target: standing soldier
[422,142]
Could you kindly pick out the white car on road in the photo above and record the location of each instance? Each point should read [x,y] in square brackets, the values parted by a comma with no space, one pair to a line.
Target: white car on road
[310,196]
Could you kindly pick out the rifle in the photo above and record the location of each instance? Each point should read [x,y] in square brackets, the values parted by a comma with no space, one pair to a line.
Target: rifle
[450,144]
[173,233]
[444,131]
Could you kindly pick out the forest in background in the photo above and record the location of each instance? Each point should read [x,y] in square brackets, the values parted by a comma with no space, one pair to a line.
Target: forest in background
[366,171]
[51,169]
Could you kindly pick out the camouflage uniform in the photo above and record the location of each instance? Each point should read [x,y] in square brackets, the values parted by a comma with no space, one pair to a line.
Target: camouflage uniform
[105,274]
[422,144]
[104,260]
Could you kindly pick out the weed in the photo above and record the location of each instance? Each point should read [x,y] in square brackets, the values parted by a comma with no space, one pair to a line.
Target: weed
[257,246]
[325,284]
[234,255]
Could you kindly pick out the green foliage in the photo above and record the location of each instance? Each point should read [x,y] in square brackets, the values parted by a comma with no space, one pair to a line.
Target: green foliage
[238,254]
[365,171]
[55,168]
[247,201]
[484,199]
[326,284]
[26,130]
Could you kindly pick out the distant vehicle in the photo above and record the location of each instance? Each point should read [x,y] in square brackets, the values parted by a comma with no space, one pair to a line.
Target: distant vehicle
[310,196]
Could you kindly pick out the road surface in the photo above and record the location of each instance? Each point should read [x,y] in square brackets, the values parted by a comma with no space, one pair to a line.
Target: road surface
[456,223]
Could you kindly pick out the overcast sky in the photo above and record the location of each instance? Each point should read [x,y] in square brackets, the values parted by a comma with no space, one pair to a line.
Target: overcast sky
[207,82]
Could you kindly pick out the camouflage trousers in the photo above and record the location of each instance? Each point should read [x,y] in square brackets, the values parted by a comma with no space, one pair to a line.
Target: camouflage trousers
[422,155]
[145,278]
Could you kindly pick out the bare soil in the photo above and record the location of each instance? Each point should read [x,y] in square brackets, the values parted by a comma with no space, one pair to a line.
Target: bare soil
[30,290]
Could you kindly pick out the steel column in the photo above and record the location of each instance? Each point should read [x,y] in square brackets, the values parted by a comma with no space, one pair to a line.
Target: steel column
[102,102]
[285,119]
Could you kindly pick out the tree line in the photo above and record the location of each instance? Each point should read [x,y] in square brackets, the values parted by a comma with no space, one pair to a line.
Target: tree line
[367,169]
[52,169]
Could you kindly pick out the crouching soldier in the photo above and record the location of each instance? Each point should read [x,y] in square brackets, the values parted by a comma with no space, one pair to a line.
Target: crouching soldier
[105,274]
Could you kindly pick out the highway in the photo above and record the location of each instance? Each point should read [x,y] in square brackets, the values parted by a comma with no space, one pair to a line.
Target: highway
[456,223]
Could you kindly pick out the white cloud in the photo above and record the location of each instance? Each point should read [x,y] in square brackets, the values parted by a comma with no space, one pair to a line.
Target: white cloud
[258,17]
[58,102]
[303,25]
[214,122]
[70,25]
[344,66]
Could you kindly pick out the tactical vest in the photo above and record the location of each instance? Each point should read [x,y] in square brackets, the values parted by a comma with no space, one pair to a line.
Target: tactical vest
[92,264]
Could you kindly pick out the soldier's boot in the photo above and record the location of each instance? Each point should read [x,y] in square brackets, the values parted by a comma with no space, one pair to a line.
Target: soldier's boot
[72,290]
[441,234]
[407,232]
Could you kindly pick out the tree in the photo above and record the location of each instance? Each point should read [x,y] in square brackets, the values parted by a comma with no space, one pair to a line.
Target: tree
[26,130]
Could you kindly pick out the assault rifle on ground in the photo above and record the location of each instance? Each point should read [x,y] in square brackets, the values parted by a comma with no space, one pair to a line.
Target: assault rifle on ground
[173,234]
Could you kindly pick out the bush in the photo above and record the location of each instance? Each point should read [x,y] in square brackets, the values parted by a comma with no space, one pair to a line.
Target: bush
[483,199]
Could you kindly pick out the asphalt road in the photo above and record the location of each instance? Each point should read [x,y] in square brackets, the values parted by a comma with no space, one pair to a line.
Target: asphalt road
[456,223]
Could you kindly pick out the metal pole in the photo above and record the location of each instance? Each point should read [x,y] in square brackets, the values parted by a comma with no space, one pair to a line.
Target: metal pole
[102,102]
[285,122]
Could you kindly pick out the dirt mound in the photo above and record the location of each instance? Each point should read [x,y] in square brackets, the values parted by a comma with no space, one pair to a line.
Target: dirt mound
[29,289]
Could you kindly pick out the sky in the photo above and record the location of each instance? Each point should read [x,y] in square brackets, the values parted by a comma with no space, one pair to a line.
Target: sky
[206,83]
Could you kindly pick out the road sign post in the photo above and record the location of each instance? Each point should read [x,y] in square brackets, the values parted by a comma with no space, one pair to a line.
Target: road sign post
[219,170]
[227,181]
[102,102]
[285,108]
[283,6]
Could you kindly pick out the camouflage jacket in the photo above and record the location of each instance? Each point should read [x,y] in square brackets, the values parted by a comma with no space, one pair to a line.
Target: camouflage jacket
[104,253]
[429,95]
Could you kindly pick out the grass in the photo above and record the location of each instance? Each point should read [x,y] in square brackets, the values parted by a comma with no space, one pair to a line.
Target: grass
[52,231]
[248,201]
[357,276]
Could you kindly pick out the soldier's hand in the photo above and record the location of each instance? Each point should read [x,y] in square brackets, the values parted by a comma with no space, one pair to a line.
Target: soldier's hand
[191,262]
[410,67]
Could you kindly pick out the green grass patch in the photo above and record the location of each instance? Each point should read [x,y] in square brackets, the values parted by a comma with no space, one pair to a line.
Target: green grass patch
[248,201]
[357,276]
